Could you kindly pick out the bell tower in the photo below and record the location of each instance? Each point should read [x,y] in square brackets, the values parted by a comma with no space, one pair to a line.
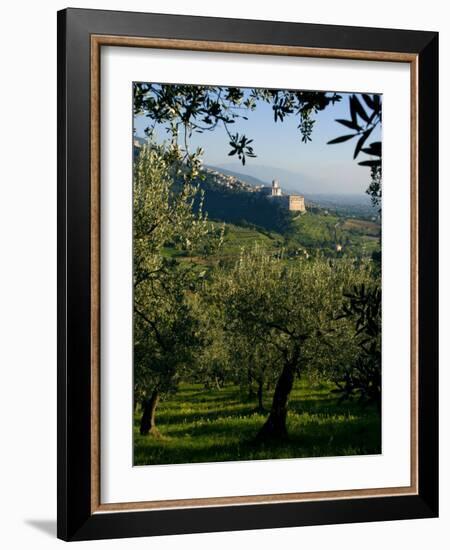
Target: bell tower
[276,189]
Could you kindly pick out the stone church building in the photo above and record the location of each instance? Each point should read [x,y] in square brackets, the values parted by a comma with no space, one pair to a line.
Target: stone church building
[295,203]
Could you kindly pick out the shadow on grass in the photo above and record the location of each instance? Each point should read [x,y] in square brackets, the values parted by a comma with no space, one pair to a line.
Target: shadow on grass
[170,415]
[298,446]
[169,418]
[220,428]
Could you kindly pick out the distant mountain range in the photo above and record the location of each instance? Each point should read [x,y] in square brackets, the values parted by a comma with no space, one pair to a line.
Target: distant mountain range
[263,175]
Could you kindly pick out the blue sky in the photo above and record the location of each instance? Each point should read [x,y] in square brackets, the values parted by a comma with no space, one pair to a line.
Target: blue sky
[315,167]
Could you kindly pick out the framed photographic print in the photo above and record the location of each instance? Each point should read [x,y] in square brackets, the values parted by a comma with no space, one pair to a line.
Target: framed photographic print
[247,274]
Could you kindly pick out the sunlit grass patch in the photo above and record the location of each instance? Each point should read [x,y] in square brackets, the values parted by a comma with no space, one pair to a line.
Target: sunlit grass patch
[200,425]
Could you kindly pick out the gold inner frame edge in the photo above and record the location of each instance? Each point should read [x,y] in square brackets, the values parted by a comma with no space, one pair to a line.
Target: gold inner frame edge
[97,41]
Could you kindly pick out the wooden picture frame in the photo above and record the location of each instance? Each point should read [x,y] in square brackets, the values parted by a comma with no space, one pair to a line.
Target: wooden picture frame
[81,35]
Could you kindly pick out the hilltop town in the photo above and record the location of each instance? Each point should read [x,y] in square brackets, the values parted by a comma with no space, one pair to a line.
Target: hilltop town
[294,203]
[273,192]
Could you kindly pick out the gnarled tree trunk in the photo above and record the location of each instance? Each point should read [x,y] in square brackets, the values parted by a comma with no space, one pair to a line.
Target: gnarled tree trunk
[275,425]
[148,419]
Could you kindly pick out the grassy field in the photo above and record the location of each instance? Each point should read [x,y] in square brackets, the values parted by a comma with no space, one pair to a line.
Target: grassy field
[237,237]
[199,425]
[319,230]
[310,231]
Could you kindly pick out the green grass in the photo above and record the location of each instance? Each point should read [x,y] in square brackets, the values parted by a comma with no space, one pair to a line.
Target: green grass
[237,237]
[310,231]
[314,230]
[362,227]
[199,425]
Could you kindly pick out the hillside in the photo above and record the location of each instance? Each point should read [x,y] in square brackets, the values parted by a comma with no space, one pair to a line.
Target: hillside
[292,182]
[251,218]
[246,178]
[357,205]
[334,234]
[231,200]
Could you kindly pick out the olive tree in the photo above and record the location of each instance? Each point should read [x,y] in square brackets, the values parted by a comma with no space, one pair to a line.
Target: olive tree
[234,354]
[255,361]
[166,332]
[361,376]
[184,109]
[292,306]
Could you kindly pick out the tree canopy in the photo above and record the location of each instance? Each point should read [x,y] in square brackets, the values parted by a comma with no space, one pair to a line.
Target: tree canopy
[186,109]
[166,332]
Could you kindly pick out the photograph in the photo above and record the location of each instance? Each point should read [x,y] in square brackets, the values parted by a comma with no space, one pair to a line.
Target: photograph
[257,299]
[247,262]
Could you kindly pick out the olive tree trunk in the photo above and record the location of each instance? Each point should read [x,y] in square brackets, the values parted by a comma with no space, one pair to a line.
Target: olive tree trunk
[148,419]
[275,425]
